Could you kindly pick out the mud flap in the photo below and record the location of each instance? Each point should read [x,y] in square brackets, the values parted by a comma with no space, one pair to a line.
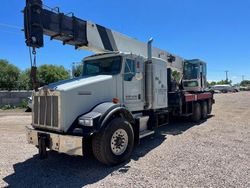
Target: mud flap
[43,143]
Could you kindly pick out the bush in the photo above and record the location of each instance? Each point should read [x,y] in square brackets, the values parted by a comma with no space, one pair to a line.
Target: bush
[7,107]
[23,104]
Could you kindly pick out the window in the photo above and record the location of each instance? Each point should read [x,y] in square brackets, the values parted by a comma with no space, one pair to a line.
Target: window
[190,83]
[191,71]
[103,66]
[204,67]
[129,72]
[91,69]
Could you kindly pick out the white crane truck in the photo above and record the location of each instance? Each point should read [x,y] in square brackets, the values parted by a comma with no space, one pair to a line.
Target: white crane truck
[125,92]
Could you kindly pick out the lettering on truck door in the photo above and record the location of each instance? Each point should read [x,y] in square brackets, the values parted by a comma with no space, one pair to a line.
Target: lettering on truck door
[133,84]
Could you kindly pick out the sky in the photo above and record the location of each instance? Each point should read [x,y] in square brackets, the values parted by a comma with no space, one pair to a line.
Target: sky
[217,32]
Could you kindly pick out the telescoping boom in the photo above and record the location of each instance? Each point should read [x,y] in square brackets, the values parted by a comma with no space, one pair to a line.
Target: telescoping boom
[83,34]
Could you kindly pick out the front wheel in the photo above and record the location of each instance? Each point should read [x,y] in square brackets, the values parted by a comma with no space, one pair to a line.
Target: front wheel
[115,143]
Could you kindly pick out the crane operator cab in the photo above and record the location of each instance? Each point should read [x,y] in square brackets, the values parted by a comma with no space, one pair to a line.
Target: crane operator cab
[194,75]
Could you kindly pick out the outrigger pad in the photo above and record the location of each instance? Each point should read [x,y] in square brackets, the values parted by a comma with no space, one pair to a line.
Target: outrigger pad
[39,21]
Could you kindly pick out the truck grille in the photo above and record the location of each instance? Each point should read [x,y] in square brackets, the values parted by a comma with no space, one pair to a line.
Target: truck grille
[45,109]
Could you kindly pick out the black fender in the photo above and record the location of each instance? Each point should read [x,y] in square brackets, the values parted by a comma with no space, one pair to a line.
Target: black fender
[108,110]
[104,112]
[119,110]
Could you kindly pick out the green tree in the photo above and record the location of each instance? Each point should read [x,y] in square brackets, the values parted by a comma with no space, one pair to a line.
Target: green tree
[222,82]
[176,75]
[77,69]
[24,80]
[51,73]
[9,75]
[212,83]
[245,83]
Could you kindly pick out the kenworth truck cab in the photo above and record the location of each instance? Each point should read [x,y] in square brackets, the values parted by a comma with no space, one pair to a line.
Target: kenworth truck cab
[111,89]
[125,92]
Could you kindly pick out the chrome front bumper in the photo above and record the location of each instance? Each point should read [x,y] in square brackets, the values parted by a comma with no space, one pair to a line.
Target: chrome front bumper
[71,145]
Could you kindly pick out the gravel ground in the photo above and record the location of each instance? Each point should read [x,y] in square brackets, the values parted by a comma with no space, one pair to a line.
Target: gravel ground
[215,153]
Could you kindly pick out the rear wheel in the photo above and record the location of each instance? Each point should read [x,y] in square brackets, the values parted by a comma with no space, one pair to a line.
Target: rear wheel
[209,106]
[196,116]
[114,144]
[204,110]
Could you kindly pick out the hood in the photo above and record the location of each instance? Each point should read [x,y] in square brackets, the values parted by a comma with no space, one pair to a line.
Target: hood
[76,82]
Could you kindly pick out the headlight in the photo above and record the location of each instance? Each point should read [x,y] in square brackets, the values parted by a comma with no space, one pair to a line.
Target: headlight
[86,122]
[90,119]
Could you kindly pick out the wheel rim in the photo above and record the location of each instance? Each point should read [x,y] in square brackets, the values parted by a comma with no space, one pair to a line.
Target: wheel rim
[119,142]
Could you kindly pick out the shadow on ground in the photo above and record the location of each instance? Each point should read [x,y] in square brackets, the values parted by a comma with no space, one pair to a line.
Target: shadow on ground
[61,170]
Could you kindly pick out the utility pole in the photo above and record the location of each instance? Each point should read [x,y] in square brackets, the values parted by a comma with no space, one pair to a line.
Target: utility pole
[226,76]
[243,77]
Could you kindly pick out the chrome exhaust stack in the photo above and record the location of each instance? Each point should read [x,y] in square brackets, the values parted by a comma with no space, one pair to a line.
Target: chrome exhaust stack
[149,77]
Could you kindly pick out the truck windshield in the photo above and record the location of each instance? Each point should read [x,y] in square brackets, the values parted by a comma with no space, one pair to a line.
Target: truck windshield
[191,71]
[103,66]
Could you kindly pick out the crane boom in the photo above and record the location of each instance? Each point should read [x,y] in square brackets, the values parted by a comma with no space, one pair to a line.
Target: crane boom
[118,99]
[83,34]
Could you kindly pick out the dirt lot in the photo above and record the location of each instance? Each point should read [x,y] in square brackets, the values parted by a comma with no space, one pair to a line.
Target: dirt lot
[215,153]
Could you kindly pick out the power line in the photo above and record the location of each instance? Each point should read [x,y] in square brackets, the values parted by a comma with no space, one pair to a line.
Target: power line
[10,26]
[11,32]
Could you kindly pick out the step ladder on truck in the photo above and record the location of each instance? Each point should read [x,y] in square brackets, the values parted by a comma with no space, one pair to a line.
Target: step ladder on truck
[126,90]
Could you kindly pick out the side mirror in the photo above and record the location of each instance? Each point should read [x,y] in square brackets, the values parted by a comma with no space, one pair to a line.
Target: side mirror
[128,76]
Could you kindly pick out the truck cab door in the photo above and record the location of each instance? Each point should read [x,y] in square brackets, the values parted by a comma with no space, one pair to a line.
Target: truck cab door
[133,79]
[203,76]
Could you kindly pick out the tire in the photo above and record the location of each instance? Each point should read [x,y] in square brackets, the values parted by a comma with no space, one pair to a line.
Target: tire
[209,106]
[87,148]
[28,109]
[224,91]
[196,116]
[115,143]
[204,110]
